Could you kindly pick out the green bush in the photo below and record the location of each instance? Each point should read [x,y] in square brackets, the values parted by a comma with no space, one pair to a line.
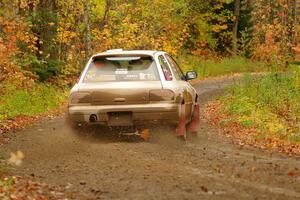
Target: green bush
[43,68]
[47,68]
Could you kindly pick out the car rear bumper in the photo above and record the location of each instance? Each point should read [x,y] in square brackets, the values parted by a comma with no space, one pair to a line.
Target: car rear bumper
[139,113]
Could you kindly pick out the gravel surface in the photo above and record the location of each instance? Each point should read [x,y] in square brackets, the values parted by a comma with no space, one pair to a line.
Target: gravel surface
[105,166]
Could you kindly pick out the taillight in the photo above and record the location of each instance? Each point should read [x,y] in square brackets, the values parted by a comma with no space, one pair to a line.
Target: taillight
[162,95]
[80,97]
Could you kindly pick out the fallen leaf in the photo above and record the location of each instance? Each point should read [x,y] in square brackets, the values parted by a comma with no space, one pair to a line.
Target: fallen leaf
[292,173]
[16,158]
[204,189]
[145,134]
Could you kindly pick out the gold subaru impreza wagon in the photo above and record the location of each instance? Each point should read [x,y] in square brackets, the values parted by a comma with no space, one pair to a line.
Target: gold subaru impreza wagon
[126,88]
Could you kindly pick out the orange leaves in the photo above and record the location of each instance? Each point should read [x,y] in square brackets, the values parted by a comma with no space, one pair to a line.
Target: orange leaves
[297,52]
[22,121]
[17,187]
[274,30]
[229,126]
[145,134]
[269,49]
[14,32]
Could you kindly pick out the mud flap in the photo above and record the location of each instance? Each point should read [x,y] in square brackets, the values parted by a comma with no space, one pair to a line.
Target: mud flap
[193,127]
[181,128]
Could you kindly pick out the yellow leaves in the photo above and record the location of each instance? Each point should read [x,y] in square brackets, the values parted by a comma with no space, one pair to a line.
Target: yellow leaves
[218,6]
[51,23]
[219,27]
[274,127]
[66,36]
[226,1]
[98,7]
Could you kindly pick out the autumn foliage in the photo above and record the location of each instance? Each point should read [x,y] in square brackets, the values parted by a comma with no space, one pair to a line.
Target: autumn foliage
[46,38]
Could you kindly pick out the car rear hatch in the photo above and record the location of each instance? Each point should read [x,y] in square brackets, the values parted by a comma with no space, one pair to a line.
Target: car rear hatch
[115,81]
[120,93]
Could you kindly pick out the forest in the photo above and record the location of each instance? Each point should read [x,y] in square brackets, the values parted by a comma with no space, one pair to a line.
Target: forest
[41,39]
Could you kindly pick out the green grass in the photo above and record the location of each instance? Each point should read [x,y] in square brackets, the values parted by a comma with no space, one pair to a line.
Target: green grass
[270,103]
[213,67]
[6,183]
[30,101]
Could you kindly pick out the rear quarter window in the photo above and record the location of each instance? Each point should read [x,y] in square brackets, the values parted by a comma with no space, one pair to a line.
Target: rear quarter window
[176,69]
[165,68]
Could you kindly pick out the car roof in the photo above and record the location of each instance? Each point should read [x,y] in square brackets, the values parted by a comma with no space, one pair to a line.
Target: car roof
[130,52]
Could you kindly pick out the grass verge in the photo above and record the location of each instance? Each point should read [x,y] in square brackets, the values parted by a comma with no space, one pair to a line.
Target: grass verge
[214,67]
[263,111]
[30,101]
[20,107]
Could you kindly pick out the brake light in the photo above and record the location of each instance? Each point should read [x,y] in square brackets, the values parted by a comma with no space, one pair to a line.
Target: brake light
[80,97]
[162,95]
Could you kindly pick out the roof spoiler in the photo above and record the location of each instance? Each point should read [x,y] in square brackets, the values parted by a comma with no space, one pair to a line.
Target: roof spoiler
[114,50]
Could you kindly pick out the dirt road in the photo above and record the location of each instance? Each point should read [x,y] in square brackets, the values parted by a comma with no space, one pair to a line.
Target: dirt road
[108,167]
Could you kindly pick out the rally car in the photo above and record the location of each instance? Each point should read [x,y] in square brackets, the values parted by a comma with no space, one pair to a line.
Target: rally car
[126,88]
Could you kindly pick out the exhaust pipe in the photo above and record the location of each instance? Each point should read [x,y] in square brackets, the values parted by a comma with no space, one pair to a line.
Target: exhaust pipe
[93,118]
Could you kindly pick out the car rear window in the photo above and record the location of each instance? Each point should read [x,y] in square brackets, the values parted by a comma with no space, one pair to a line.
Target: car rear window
[121,68]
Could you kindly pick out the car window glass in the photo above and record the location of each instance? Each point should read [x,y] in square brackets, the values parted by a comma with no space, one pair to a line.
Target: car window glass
[165,68]
[175,68]
[121,68]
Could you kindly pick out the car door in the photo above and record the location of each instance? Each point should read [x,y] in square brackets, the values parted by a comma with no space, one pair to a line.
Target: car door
[188,91]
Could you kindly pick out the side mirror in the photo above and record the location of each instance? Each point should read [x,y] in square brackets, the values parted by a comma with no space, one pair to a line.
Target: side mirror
[190,75]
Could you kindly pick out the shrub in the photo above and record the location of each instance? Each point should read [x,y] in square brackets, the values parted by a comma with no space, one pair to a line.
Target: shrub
[44,69]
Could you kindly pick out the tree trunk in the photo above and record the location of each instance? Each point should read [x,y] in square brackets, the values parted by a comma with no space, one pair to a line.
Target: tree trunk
[237,8]
[19,7]
[294,23]
[87,28]
[46,23]
[108,5]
